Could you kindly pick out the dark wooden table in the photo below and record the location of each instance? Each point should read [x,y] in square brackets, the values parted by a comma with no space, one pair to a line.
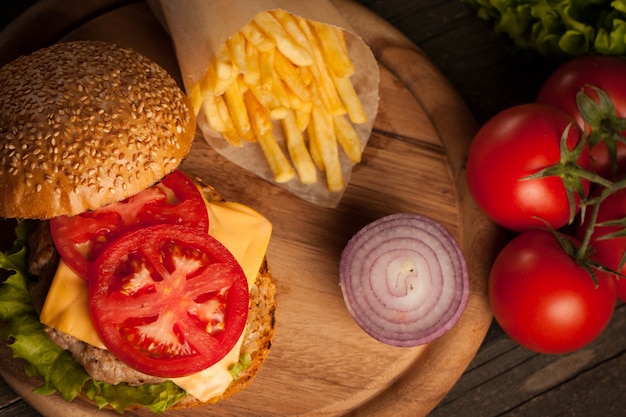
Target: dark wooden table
[503,379]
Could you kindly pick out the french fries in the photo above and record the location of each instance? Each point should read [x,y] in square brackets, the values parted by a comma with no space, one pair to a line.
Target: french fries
[262,127]
[324,137]
[282,71]
[298,151]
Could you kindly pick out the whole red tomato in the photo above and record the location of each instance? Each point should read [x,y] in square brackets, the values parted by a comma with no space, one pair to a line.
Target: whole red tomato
[609,251]
[604,72]
[544,300]
[515,143]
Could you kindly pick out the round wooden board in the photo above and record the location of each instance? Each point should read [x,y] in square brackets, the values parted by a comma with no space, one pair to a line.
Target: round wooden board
[321,362]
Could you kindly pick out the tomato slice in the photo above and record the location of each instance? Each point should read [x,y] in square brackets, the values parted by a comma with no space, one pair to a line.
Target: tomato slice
[168,300]
[175,200]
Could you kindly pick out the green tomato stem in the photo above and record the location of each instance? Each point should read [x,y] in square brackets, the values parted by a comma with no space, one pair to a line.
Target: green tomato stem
[609,188]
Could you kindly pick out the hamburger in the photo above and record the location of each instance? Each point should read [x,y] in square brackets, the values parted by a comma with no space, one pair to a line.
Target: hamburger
[129,284]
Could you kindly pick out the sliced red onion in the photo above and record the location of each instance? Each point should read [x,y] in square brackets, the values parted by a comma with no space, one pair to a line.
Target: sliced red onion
[404,279]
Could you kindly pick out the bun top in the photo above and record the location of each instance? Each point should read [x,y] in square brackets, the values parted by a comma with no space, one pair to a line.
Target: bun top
[84,124]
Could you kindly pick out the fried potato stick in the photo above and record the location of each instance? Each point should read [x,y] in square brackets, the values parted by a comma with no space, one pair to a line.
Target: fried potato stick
[298,151]
[262,126]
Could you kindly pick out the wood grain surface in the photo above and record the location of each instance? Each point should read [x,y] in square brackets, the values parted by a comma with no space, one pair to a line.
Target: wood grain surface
[321,363]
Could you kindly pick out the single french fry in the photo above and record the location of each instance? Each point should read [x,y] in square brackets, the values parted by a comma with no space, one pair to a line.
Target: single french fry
[223,110]
[256,37]
[259,118]
[212,113]
[342,38]
[220,85]
[238,112]
[330,96]
[326,142]
[262,125]
[278,113]
[195,96]
[224,69]
[299,154]
[313,132]
[285,43]
[335,54]
[306,74]
[276,159]
[237,49]
[287,72]
[351,100]
[289,23]
[314,149]
[230,132]
[209,80]
[253,74]
[303,117]
[266,70]
[347,138]
[279,91]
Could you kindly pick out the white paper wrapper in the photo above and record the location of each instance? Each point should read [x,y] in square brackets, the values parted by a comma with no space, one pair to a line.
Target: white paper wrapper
[199,28]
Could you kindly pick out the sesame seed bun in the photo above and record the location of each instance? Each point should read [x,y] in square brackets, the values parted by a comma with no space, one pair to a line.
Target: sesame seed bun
[84,124]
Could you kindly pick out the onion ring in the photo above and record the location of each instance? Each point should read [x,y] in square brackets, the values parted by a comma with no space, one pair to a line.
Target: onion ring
[404,279]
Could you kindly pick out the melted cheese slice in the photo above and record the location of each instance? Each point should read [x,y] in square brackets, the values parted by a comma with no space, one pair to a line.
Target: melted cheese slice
[244,231]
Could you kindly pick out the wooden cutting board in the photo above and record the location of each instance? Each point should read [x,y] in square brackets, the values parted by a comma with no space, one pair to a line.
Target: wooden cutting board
[321,362]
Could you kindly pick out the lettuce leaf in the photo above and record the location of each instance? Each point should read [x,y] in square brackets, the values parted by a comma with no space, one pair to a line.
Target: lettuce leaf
[26,338]
[559,28]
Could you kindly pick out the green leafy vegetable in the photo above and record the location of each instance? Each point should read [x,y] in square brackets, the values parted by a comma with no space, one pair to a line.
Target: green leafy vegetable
[559,28]
[26,338]
[243,363]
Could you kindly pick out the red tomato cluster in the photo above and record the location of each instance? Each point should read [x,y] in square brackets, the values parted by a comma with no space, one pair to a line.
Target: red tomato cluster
[531,169]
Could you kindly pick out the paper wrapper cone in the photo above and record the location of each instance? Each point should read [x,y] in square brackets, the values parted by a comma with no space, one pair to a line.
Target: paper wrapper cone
[199,28]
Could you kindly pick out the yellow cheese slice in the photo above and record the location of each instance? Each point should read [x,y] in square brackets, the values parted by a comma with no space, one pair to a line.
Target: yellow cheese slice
[67,307]
[241,229]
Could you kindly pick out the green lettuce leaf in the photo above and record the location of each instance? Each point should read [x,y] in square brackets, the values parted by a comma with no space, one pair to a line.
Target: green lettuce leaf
[559,28]
[21,329]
